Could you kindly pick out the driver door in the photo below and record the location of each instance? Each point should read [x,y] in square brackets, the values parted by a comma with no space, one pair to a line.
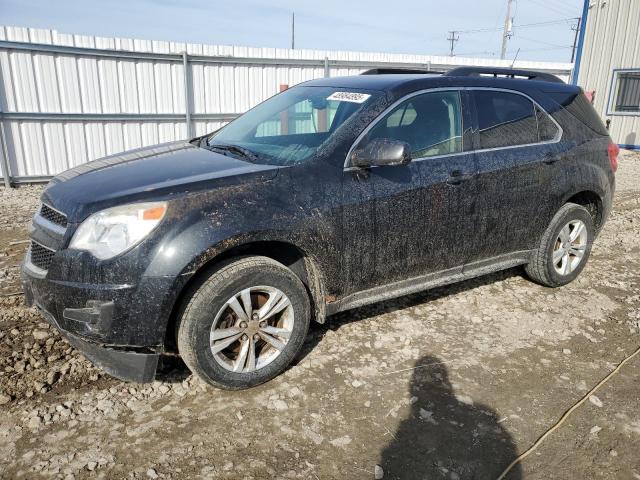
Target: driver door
[403,221]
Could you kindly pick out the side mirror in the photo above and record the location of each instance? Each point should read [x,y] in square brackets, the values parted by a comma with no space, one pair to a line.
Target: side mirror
[381,152]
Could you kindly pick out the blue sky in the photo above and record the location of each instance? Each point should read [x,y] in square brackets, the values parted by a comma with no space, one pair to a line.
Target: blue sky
[398,26]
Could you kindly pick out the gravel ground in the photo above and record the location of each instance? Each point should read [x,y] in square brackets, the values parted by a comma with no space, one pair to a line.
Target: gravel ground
[452,383]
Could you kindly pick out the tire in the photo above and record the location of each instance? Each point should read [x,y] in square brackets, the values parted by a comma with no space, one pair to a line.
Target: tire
[208,310]
[542,269]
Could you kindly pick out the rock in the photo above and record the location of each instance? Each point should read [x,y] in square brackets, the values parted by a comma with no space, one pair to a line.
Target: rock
[280,405]
[34,422]
[52,377]
[467,400]
[312,435]
[151,473]
[595,429]
[566,351]
[356,383]
[91,466]
[427,416]
[40,334]
[378,472]
[341,442]
[596,401]
[4,398]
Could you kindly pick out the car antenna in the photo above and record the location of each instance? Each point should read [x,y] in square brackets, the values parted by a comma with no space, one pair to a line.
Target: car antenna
[515,57]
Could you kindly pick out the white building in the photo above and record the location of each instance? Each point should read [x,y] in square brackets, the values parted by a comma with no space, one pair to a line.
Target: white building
[608,63]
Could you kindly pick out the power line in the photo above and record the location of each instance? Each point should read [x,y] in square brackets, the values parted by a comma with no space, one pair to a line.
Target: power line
[542,49]
[543,42]
[516,26]
[554,7]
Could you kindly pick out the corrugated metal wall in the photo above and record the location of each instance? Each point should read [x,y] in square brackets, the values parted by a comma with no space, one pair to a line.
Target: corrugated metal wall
[84,97]
[612,41]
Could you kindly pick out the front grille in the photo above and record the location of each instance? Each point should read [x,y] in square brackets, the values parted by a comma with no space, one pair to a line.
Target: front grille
[53,216]
[40,256]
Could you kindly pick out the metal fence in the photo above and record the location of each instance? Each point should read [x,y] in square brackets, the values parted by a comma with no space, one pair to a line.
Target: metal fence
[67,99]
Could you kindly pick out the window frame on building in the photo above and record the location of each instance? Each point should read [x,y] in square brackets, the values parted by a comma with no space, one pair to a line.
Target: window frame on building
[614,92]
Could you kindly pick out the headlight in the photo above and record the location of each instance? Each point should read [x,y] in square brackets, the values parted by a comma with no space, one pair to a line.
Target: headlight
[112,231]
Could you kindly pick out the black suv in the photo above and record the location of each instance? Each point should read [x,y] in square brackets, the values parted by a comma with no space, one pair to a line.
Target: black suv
[334,194]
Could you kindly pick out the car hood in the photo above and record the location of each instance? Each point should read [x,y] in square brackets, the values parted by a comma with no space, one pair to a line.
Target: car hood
[151,172]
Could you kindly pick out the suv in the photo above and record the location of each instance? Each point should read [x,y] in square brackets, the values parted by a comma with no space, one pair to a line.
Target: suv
[331,195]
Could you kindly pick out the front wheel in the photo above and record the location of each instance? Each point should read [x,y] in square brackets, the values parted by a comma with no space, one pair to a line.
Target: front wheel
[564,247]
[244,324]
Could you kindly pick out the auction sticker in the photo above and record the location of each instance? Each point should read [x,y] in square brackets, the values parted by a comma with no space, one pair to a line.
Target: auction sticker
[353,97]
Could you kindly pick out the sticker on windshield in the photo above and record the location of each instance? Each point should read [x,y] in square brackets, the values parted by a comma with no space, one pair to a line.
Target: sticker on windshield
[353,97]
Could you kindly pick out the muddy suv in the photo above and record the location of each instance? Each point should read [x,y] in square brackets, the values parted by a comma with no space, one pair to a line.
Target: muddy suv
[334,194]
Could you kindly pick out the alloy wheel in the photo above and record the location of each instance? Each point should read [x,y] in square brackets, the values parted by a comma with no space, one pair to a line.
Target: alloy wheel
[251,329]
[570,247]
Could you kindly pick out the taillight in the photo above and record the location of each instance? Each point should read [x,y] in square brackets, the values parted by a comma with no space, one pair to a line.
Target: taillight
[613,150]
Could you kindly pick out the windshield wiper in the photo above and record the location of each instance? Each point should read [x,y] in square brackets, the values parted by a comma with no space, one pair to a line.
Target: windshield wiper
[240,151]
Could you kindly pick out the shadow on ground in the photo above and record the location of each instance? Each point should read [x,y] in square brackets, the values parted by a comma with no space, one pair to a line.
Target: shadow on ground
[447,436]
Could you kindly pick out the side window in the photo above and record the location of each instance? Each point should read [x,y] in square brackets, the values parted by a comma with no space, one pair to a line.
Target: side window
[430,123]
[547,130]
[505,119]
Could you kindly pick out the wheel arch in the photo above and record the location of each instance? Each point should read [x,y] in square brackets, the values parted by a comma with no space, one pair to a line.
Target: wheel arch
[592,201]
[296,259]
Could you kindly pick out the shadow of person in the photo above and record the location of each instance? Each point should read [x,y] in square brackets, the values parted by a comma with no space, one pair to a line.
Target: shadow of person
[447,437]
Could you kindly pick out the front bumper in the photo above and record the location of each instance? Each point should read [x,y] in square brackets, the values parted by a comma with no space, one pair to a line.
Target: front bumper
[95,319]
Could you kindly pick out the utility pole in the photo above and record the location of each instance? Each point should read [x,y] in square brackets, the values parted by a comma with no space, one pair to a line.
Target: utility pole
[575,27]
[293,30]
[452,38]
[506,34]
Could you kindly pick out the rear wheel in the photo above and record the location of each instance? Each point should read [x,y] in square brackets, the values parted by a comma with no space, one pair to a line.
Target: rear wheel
[564,247]
[244,324]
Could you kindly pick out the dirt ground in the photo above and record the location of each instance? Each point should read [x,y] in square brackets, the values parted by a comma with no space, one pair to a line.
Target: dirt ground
[453,383]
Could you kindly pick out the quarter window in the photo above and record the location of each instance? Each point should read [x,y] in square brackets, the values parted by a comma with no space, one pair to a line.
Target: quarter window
[430,123]
[505,119]
[547,130]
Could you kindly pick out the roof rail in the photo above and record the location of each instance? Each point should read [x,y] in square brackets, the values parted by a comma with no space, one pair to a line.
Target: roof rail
[399,70]
[507,72]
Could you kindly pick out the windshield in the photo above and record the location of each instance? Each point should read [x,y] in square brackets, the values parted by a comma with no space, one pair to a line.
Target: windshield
[290,127]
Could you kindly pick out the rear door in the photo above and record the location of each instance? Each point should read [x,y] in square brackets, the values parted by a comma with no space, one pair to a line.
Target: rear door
[516,154]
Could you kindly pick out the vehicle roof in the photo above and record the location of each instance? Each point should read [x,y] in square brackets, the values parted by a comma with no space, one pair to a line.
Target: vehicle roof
[396,85]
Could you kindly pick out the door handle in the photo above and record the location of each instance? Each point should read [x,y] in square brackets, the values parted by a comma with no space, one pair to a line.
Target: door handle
[456,177]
